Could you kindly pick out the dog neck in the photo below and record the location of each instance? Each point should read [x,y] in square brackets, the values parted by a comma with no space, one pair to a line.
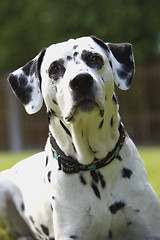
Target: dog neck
[91,136]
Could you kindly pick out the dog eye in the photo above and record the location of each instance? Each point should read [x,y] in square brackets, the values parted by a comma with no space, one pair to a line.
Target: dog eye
[56,70]
[95,59]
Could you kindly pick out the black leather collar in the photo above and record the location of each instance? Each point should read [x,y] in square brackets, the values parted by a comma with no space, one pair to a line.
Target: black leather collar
[71,165]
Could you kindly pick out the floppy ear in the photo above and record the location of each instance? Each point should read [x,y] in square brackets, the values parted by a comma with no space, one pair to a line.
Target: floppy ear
[122,62]
[25,83]
[121,59]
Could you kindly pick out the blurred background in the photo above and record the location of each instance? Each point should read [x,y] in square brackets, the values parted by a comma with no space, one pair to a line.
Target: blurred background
[27,26]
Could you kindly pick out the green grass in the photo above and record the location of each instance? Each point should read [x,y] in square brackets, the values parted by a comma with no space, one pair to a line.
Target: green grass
[8,159]
[3,234]
[150,156]
[151,159]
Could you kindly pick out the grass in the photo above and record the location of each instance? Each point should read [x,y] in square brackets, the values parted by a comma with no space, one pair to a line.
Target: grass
[151,159]
[150,156]
[8,159]
[3,234]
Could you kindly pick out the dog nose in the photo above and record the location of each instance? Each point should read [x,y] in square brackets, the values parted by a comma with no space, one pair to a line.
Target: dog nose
[82,83]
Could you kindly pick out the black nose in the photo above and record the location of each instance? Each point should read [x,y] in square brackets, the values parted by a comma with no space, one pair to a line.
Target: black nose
[82,83]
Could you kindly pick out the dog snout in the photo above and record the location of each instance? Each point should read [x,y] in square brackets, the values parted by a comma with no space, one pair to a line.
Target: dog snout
[82,83]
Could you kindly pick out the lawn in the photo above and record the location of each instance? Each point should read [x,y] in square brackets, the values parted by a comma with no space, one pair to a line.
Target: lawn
[8,159]
[151,159]
[150,156]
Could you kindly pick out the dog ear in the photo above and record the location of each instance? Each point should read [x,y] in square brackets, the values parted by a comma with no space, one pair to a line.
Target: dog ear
[121,59]
[25,83]
[122,62]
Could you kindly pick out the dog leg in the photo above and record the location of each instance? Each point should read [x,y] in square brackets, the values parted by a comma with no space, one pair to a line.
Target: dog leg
[9,214]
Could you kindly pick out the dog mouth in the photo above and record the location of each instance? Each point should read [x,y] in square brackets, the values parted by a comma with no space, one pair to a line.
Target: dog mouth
[85,105]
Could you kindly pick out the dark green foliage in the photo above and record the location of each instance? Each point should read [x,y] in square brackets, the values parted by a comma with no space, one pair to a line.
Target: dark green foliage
[28,26]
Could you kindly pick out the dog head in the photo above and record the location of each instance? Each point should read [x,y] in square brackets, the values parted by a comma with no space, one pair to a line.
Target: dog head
[74,77]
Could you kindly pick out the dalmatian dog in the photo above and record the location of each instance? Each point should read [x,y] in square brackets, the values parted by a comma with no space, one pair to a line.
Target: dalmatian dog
[90,182]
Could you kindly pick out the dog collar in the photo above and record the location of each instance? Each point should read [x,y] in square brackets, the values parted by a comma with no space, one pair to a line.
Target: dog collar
[71,165]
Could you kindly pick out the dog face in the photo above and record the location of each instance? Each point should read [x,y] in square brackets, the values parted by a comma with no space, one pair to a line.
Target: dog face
[75,74]
[74,77]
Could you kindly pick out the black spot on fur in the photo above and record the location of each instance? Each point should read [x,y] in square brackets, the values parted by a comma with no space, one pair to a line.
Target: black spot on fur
[119,158]
[38,230]
[111,122]
[21,87]
[114,208]
[90,47]
[74,148]
[54,102]
[115,99]
[110,235]
[100,43]
[39,236]
[69,58]
[110,64]
[94,176]
[31,219]
[49,116]
[101,124]
[75,54]
[83,180]
[22,207]
[20,84]
[27,67]
[102,113]
[53,112]
[123,75]
[95,190]
[51,208]
[45,229]
[75,46]
[49,176]
[46,161]
[52,238]
[126,173]
[123,53]
[53,197]
[65,128]
[74,237]
[102,181]
[40,59]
